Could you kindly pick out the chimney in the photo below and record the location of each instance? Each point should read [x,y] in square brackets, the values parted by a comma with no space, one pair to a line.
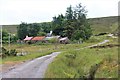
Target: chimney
[26,36]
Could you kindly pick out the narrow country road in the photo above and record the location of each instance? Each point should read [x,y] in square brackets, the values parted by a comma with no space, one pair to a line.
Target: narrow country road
[32,69]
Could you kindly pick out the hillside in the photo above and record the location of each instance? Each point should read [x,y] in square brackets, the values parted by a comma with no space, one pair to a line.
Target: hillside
[10,28]
[104,24]
[98,25]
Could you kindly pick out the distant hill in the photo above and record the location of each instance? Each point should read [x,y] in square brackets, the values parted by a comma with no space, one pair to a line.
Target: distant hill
[104,24]
[98,25]
[10,28]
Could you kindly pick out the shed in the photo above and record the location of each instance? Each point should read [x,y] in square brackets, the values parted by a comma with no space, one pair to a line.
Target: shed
[28,38]
[64,40]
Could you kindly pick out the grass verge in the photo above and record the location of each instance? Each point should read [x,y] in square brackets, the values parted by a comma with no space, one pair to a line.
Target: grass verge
[76,64]
[26,57]
[79,63]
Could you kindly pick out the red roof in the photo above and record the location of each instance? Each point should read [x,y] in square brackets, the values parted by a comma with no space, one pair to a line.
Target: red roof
[38,38]
[28,38]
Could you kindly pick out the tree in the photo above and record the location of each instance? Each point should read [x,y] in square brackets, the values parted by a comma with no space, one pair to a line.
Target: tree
[74,24]
[58,25]
[22,30]
[5,37]
[68,29]
[69,13]
[41,34]
[25,29]
[33,29]
[13,38]
[46,27]
[4,33]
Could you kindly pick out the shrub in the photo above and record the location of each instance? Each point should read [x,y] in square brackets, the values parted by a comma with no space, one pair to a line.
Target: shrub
[6,53]
[40,43]
[71,58]
[93,39]
[3,52]
[13,52]
[53,40]
[41,34]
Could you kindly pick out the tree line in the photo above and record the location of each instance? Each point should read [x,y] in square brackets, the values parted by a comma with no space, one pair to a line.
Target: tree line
[33,29]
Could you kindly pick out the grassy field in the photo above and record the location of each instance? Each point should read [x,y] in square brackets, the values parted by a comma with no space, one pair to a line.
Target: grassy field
[98,25]
[84,62]
[26,57]
[79,66]
[34,51]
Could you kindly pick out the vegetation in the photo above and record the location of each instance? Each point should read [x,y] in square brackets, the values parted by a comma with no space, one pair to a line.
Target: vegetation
[26,57]
[27,30]
[10,28]
[45,27]
[104,24]
[41,34]
[32,51]
[6,52]
[74,24]
[86,63]
[6,37]
[76,64]
[33,29]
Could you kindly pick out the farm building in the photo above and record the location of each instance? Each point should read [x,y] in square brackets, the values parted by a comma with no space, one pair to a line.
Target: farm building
[64,40]
[28,38]
[38,38]
[34,39]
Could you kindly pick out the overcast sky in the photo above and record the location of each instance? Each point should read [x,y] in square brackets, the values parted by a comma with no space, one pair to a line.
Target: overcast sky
[30,11]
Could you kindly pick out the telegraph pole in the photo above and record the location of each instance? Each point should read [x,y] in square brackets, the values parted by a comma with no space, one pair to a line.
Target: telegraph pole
[9,42]
[1,46]
[1,37]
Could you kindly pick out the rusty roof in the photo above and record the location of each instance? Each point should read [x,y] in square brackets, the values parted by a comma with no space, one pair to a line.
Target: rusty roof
[38,38]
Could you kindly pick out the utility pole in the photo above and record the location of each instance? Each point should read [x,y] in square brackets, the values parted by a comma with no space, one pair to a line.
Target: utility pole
[9,42]
[1,46]
[1,37]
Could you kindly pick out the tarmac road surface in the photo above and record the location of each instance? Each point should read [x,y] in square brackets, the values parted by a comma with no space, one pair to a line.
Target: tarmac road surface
[32,69]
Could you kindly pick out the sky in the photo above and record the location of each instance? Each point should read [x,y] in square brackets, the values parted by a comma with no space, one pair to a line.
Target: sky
[31,11]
